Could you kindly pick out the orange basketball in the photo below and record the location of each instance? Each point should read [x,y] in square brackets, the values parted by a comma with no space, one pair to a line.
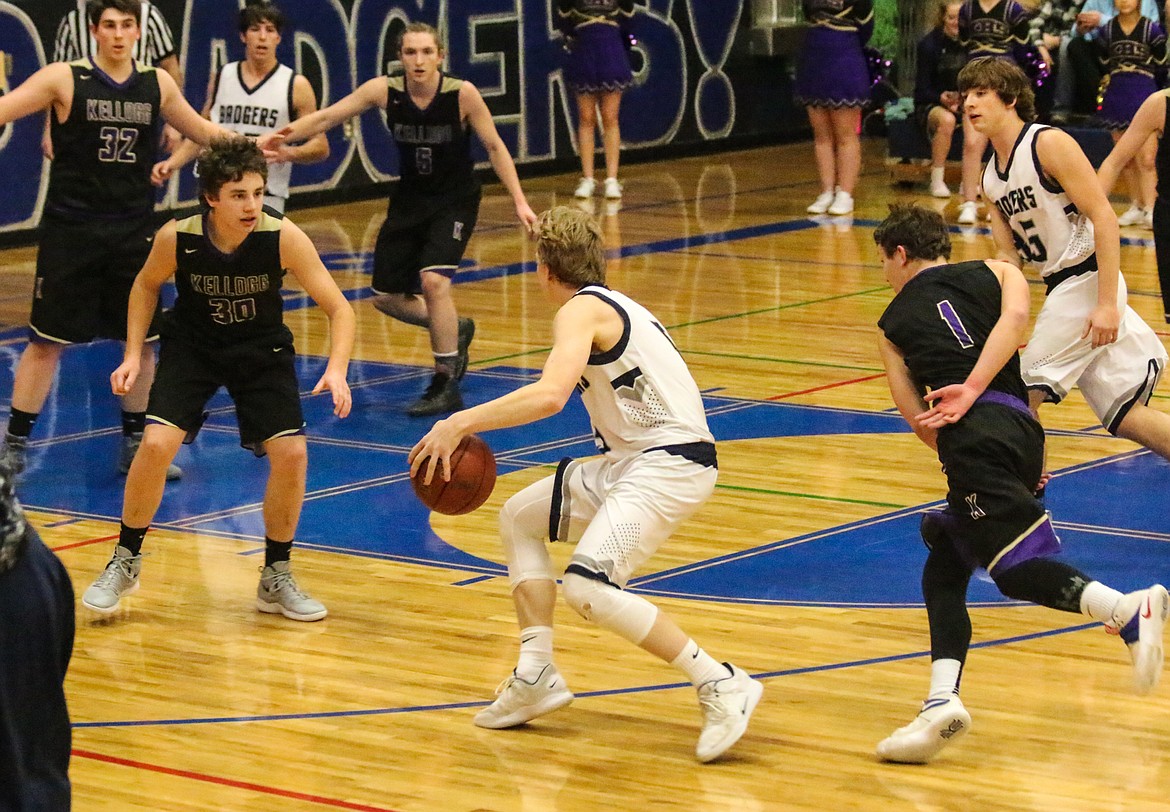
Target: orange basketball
[473,475]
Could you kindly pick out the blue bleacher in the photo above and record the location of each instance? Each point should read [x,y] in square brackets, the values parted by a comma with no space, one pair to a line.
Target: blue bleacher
[907,142]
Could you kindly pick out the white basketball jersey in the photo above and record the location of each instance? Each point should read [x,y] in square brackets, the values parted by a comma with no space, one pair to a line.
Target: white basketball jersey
[640,394]
[1048,229]
[256,111]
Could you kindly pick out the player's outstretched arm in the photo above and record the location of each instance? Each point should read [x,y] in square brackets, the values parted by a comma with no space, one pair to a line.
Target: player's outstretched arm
[1062,160]
[160,266]
[949,403]
[1148,120]
[476,111]
[574,328]
[300,257]
[185,150]
[371,93]
[51,84]
[179,113]
[304,104]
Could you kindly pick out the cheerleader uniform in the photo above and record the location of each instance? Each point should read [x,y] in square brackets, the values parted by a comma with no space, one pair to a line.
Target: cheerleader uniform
[1131,60]
[833,71]
[1001,32]
[597,33]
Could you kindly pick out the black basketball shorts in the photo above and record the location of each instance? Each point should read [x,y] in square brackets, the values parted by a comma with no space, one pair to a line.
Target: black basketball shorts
[408,245]
[260,378]
[993,459]
[85,270]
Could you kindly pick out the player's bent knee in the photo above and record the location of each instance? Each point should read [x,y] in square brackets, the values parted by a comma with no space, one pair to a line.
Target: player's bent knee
[609,607]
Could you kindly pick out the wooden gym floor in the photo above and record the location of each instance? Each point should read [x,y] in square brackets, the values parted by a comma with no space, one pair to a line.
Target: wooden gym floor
[803,569]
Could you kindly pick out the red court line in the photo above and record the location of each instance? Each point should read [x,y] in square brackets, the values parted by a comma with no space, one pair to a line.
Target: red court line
[827,386]
[85,543]
[229,782]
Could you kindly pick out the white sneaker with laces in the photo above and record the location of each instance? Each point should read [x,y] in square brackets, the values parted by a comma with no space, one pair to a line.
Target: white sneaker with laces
[120,577]
[585,188]
[278,593]
[727,705]
[613,189]
[842,203]
[1133,216]
[822,203]
[940,722]
[939,188]
[968,213]
[1140,619]
[1148,219]
[519,701]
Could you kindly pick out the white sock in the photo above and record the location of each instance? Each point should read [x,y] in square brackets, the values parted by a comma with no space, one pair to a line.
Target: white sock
[536,648]
[698,665]
[938,174]
[944,679]
[1098,601]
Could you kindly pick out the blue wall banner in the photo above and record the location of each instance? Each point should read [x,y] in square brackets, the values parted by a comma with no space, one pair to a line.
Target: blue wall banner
[695,86]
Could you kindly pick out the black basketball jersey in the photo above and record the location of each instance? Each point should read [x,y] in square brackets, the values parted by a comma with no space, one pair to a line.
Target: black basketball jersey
[433,144]
[940,321]
[228,299]
[1162,159]
[106,148]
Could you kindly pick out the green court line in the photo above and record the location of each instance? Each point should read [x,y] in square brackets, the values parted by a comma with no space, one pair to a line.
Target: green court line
[746,357]
[769,492]
[728,317]
[778,308]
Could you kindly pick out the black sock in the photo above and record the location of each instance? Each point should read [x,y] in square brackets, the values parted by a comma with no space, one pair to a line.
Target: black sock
[276,551]
[133,423]
[20,423]
[131,538]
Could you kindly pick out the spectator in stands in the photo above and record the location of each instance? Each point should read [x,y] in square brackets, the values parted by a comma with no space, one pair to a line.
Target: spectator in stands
[1134,47]
[998,30]
[1079,65]
[155,47]
[833,84]
[936,93]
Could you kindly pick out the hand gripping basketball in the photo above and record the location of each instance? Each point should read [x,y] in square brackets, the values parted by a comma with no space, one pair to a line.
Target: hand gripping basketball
[473,475]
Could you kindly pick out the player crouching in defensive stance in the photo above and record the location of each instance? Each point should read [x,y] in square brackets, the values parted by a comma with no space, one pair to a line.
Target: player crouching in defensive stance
[950,336]
[227,329]
[658,467]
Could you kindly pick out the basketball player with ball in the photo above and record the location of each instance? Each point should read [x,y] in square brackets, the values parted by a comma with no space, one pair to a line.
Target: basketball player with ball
[657,467]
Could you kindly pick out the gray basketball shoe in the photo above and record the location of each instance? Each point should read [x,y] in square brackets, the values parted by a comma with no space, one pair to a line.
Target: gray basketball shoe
[278,593]
[119,578]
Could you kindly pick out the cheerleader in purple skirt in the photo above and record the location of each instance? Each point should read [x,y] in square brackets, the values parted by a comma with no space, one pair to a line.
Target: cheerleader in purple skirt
[1133,47]
[597,36]
[833,84]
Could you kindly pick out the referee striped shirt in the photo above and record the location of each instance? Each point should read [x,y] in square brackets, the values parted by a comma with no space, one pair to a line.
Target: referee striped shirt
[74,41]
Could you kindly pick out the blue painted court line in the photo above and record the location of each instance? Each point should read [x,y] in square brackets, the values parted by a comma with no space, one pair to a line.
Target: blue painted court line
[791,672]
[476,580]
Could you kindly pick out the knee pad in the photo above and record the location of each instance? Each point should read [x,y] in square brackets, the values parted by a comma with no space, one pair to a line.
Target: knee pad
[523,525]
[628,615]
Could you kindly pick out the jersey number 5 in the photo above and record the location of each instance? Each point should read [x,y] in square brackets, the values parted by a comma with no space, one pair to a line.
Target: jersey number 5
[1028,244]
[422,160]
